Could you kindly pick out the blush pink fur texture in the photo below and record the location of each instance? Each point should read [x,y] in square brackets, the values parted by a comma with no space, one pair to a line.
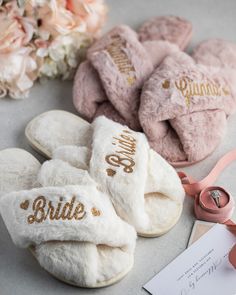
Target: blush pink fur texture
[174,29]
[178,129]
[88,92]
[216,52]
[89,97]
[159,50]
[122,88]
[106,109]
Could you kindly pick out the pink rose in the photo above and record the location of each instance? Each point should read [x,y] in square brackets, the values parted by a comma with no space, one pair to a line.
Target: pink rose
[53,19]
[92,12]
[16,31]
[61,17]
[18,70]
[17,67]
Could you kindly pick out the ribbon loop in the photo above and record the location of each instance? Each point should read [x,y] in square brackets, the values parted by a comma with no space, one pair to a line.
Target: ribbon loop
[202,192]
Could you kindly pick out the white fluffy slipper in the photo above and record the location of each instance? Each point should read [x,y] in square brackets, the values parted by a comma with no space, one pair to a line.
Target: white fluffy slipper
[72,230]
[55,128]
[145,190]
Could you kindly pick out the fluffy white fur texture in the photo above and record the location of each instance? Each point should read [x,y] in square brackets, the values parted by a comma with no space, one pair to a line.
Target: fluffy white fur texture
[80,263]
[60,173]
[56,128]
[153,184]
[150,198]
[151,173]
[126,189]
[77,156]
[94,229]
[84,264]
[163,178]
[18,170]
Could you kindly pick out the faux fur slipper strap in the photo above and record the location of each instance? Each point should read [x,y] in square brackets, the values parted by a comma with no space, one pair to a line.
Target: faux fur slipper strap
[190,96]
[123,65]
[125,166]
[70,213]
[217,53]
[174,29]
[90,98]
[111,83]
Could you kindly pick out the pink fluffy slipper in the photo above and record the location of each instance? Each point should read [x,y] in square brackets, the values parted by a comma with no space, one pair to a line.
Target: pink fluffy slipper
[184,107]
[174,29]
[100,87]
[123,65]
[216,52]
[89,96]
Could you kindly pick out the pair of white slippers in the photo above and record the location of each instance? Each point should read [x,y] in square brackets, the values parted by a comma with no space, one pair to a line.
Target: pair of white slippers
[79,212]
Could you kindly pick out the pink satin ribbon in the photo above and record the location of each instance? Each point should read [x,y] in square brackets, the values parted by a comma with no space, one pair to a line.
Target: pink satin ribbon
[200,191]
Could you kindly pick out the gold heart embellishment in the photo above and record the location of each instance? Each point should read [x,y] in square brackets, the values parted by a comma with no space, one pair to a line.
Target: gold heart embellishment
[111,172]
[24,205]
[95,211]
[166,84]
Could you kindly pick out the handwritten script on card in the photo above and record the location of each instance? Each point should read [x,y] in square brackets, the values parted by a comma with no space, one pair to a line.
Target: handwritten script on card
[202,269]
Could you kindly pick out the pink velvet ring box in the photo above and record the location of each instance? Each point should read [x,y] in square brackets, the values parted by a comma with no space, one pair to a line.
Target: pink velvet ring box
[206,208]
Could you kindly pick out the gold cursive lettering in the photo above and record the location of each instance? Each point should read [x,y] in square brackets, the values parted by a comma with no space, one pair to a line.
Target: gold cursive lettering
[79,212]
[43,210]
[117,161]
[120,58]
[123,156]
[189,89]
[67,209]
[38,207]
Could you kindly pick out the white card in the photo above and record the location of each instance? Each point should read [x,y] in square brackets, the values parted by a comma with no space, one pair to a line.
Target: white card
[199,229]
[202,269]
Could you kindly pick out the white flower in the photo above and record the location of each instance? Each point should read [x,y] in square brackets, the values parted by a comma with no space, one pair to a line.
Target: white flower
[17,72]
[61,58]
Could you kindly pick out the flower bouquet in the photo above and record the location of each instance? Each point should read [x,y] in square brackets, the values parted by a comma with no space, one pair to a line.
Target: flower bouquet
[44,39]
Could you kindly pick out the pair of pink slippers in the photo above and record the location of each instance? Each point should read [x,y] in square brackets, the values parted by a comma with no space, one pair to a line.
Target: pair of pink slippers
[145,80]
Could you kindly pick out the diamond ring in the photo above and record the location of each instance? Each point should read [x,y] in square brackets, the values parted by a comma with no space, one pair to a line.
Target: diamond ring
[216,197]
